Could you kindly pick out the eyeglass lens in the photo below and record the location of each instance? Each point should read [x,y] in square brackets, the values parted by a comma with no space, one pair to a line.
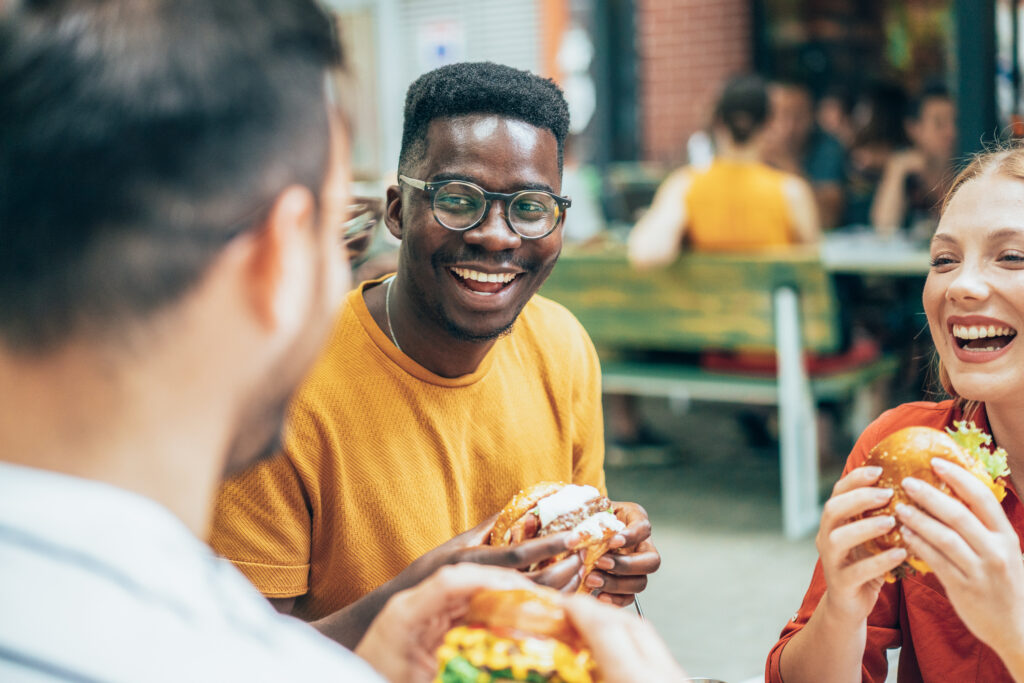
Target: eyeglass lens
[459,206]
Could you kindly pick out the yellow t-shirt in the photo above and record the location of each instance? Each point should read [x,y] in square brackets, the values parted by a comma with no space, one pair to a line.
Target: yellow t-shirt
[384,460]
[734,206]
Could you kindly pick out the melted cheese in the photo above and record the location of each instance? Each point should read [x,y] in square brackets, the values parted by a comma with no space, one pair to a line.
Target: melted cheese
[571,497]
[595,525]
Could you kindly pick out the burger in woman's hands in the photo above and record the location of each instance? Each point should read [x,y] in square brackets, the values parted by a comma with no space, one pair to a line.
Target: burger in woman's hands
[909,453]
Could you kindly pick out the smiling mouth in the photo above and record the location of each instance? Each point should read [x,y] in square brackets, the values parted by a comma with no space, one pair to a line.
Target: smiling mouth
[982,338]
[482,283]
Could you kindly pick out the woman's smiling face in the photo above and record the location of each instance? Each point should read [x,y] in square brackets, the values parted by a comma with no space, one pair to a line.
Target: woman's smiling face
[974,295]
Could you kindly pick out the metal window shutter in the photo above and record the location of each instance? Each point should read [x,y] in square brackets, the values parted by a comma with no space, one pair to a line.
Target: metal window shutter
[502,31]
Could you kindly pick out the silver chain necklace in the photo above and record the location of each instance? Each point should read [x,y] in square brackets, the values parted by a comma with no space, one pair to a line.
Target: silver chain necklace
[387,313]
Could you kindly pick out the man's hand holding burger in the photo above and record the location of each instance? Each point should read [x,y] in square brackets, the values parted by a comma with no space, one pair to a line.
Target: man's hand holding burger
[622,573]
[612,538]
[974,552]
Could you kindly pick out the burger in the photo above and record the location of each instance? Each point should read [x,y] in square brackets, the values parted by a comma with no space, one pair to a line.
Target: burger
[908,453]
[514,635]
[550,507]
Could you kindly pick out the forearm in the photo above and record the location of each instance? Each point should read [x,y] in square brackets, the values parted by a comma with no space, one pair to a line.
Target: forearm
[828,648]
[349,624]
[888,207]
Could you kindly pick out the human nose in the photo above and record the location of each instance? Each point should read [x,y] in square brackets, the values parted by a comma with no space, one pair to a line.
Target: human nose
[493,233]
[969,284]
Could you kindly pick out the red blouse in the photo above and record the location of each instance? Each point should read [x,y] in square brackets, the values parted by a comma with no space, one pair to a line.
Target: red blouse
[913,613]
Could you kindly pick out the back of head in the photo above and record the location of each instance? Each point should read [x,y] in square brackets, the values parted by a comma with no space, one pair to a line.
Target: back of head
[743,108]
[480,88]
[136,138]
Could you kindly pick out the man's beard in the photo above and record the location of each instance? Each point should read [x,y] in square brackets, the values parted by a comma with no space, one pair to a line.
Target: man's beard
[259,431]
[439,261]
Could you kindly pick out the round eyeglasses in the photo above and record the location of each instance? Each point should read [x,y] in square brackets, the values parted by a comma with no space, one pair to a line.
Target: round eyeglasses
[460,205]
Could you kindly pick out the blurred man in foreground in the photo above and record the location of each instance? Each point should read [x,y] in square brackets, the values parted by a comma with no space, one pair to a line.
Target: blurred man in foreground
[172,181]
[446,388]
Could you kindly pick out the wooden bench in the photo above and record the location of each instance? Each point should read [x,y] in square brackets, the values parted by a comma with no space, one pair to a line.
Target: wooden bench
[775,302]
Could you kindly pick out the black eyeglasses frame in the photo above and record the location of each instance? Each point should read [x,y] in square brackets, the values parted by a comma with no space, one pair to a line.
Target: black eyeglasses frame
[506,198]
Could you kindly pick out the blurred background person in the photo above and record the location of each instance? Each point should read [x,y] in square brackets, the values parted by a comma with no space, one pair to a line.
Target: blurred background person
[877,133]
[739,202]
[793,142]
[916,179]
[835,113]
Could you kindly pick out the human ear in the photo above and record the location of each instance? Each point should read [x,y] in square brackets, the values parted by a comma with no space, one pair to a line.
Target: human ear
[281,272]
[393,211]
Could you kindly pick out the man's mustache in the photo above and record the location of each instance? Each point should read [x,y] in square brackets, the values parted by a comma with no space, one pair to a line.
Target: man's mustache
[501,259]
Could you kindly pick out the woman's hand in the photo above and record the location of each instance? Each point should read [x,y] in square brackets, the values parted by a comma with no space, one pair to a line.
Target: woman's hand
[853,584]
[974,552]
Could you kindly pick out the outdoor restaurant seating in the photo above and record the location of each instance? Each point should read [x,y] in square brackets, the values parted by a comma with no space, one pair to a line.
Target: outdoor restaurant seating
[780,302]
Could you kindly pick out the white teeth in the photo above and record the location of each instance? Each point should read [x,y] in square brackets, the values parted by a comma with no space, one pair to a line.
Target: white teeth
[467,274]
[980,332]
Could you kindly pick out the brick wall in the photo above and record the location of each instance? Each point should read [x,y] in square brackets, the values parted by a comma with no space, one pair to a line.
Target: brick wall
[687,50]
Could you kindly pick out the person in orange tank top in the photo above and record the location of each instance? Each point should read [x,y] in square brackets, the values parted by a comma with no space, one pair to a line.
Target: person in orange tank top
[963,621]
[738,203]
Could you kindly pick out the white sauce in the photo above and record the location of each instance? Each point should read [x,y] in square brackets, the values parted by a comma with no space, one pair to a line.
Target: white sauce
[571,497]
[595,525]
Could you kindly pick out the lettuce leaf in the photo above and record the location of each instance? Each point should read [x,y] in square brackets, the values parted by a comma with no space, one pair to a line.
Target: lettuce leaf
[979,444]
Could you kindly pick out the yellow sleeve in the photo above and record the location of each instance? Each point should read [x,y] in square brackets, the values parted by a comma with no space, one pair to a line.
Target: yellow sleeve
[262,524]
[588,418]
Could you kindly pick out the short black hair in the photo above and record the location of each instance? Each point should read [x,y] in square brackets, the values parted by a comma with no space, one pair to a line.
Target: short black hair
[932,90]
[480,88]
[136,138]
[743,107]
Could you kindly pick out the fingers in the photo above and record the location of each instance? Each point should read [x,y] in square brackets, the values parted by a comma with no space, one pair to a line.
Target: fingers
[861,476]
[625,585]
[975,494]
[634,516]
[522,555]
[948,524]
[847,537]
[563,575]
[478,535]
[872,568]
[626,649]
[644,560]
[937,559]
[847,504]
[452,585]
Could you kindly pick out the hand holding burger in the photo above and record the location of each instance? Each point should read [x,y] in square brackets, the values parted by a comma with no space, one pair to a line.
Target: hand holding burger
[538,635]
[909,453]
[960,532]
[597,524]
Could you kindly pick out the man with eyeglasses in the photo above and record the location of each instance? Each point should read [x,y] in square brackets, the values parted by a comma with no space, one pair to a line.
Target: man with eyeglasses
[174,180]
[468,389]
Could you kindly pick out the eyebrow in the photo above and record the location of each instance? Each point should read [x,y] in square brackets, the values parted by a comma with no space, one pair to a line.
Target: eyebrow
[1000,234]
[441,177]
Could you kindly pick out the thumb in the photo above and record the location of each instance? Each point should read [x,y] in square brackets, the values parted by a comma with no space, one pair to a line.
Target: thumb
[478,534]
